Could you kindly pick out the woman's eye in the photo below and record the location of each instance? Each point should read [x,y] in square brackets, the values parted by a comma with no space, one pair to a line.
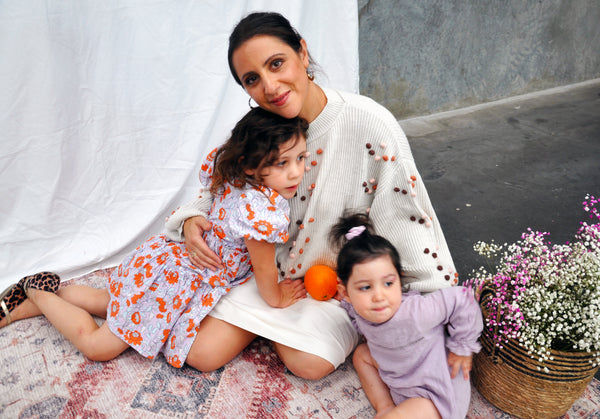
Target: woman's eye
[281,163]
[250,80]
[277,63]
[302,157]
[365,288]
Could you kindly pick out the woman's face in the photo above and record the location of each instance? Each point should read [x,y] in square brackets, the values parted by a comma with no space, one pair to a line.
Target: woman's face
[274,75]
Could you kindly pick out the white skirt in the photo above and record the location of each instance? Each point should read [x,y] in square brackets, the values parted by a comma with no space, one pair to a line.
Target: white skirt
[321,328]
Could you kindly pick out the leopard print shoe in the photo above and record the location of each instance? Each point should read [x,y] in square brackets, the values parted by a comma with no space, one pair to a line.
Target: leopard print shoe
[45,281]
[17,293]
[9,299]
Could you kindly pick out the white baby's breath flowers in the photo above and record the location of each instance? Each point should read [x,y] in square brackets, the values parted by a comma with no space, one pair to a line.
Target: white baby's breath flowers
[545,296]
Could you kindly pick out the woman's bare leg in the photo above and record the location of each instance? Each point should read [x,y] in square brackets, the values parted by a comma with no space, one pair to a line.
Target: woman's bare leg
[78,326]
[303,364]
[217,342]
[375,389]
[93,300]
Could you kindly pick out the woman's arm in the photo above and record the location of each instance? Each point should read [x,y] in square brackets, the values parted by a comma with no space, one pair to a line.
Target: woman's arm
[276,294]
[189,222]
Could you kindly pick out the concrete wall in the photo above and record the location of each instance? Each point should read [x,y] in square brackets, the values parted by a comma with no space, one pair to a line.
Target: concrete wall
[419,57]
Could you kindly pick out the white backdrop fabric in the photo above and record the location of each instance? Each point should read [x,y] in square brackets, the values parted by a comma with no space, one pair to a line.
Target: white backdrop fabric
[107,108]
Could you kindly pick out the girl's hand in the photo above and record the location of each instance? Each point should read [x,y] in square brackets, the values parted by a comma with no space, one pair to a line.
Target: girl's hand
[456,362]
[198,251]
[291,291]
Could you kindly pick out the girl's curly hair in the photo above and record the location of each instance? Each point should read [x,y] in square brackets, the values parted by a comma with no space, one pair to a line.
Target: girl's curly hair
[254,145]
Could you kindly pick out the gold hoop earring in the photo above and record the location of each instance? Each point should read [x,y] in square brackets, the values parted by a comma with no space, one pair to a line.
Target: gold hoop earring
[310,74]
[250,104]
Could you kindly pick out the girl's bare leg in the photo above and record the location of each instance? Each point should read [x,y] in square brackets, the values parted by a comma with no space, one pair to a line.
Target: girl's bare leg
[92,300]
[376,390]
[303,364]
[416,408]
[217,342]
[78,326]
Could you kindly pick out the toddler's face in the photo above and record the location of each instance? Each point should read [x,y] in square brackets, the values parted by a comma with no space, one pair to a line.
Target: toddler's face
[374,289]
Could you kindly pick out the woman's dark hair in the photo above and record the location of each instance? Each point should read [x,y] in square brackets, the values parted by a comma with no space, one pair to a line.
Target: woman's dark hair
[262,23]
[253,145]
[361,248]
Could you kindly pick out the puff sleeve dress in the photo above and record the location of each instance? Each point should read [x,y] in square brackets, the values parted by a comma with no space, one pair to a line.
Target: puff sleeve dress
[158,298]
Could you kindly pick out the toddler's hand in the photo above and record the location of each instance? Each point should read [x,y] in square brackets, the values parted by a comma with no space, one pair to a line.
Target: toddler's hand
[291,292]
[456,362]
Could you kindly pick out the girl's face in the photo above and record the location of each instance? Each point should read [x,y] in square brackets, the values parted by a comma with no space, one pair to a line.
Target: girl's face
[374,289]
[274,75]
[287,172]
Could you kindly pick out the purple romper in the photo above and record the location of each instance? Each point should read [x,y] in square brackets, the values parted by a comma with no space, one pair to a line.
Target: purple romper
[412,347]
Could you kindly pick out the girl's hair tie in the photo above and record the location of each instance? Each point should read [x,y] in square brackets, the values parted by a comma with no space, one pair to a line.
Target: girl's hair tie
[355,232]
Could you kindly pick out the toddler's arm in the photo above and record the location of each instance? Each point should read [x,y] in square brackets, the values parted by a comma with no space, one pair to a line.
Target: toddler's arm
[276,294]
[464,321]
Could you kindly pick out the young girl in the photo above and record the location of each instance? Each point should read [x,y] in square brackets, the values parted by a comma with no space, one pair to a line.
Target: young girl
[156,297]
[412,338]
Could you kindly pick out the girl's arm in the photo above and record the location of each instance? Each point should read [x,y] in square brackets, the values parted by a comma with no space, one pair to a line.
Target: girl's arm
[276,294]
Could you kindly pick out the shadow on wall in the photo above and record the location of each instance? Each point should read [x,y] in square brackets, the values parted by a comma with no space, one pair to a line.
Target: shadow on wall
[430,56]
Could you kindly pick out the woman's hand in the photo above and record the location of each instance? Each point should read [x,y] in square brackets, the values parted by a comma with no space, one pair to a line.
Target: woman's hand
[456,362]
[198,251]
[291,291]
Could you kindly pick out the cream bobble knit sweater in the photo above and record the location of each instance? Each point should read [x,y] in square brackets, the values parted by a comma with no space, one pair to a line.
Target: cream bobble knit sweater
[359,160]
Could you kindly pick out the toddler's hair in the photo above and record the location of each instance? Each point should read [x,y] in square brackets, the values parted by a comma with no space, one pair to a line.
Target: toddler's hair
[254,145]
[362,247]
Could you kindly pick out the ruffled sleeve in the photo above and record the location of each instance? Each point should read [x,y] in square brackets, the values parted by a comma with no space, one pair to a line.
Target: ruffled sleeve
[262,217]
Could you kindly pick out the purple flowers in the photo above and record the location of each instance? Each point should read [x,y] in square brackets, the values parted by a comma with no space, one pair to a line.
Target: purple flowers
[543,295]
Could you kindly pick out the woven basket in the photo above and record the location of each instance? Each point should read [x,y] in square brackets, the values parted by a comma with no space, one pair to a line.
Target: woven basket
[517,384]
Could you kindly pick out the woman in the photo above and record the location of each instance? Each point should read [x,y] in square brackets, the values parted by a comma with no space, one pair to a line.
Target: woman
[359,160]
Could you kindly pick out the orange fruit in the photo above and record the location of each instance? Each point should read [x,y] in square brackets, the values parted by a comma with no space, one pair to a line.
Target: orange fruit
[320,282]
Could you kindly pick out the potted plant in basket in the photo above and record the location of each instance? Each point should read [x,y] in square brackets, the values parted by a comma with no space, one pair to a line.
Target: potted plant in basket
[541,309]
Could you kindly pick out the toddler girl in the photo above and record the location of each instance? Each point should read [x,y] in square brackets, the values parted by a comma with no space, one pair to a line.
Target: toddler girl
[156,298]
[416,343]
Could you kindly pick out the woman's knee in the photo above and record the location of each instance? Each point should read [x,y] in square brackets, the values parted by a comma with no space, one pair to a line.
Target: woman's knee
[216,343]
[303,364]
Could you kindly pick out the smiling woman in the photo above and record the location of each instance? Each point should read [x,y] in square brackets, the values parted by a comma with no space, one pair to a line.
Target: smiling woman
[278,81]
[271,61]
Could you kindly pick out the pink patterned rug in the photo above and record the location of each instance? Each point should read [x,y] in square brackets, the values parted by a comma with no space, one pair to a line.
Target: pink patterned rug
[43,376]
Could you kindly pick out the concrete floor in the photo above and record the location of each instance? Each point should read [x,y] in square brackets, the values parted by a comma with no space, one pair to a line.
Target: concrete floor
[493,171]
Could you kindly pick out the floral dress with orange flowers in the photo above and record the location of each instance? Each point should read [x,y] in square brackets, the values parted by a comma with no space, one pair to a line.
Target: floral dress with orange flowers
[158,298]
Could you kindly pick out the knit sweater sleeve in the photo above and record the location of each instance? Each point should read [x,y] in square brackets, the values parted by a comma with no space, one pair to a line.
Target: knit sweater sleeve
[401,209]
[200,206]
